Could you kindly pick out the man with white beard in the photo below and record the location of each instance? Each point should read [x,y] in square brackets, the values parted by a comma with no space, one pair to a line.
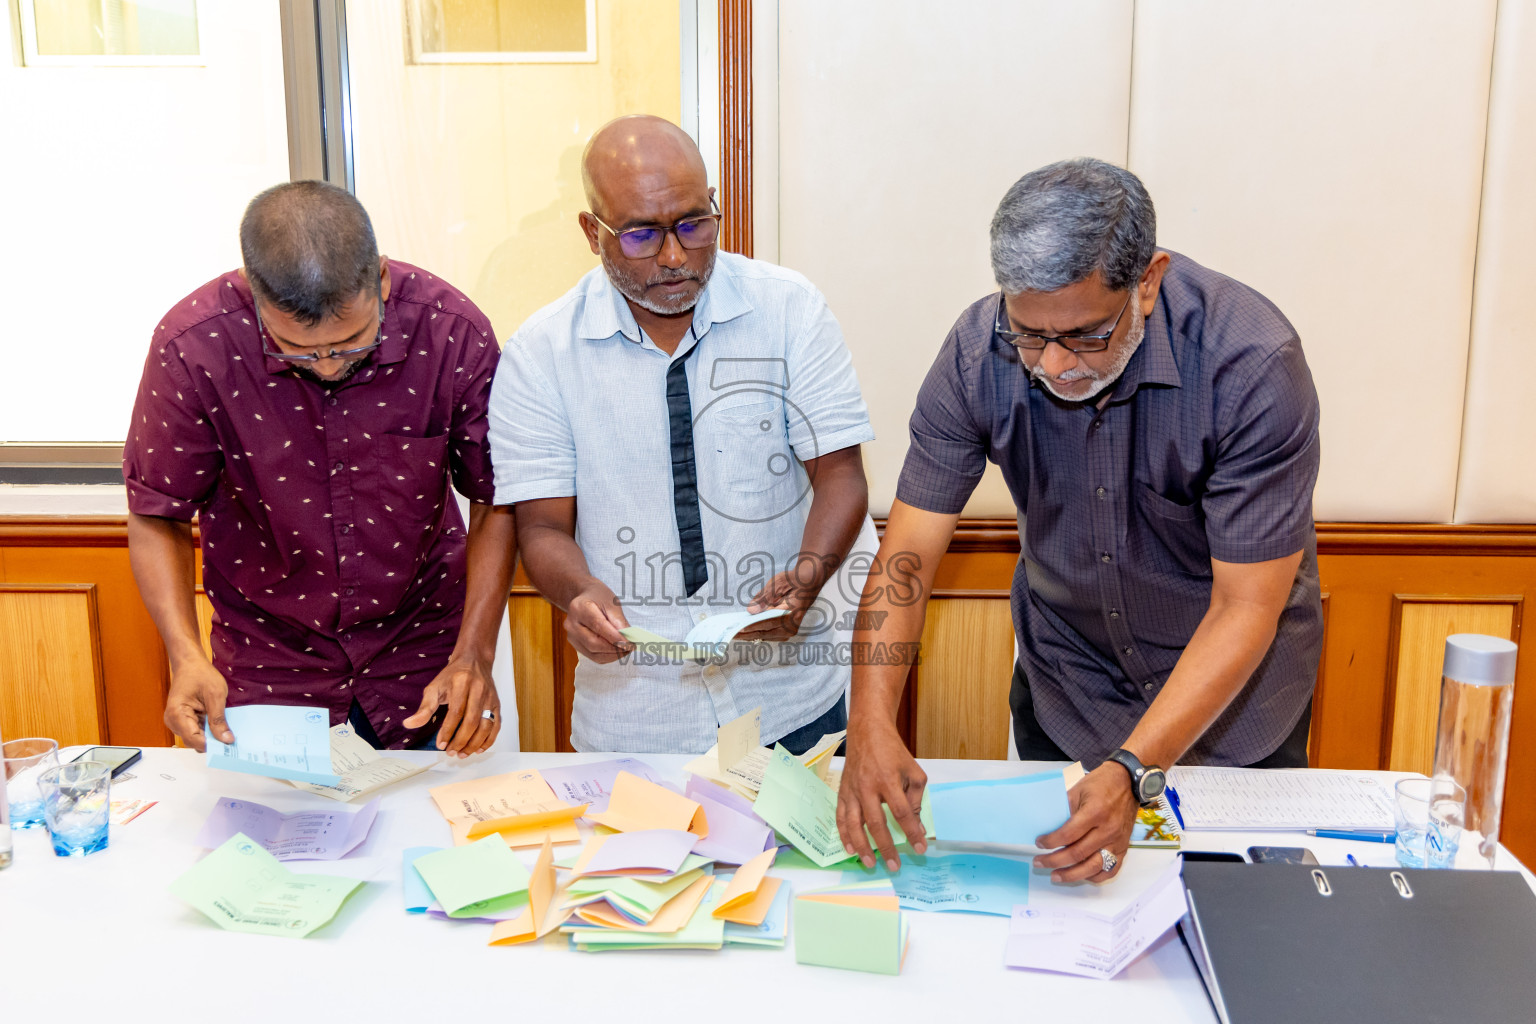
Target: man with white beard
[1157,425]
[680,435]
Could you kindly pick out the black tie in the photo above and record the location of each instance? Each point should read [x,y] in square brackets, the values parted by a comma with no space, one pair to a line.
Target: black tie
[685,477]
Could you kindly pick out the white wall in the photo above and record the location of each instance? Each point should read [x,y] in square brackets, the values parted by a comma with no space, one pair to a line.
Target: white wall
[123,189]
[1328,152]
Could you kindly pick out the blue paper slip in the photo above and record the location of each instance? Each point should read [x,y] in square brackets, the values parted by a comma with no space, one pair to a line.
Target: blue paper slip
[417,896]
[969,883]
[774,929]
[277,740]
[1013,811]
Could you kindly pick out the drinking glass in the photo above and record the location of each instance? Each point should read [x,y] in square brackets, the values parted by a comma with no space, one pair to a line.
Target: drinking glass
[1430,817]
[77,801]
[25,760]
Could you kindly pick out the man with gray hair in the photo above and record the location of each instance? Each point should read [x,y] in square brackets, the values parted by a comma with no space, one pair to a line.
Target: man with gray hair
[1156,424]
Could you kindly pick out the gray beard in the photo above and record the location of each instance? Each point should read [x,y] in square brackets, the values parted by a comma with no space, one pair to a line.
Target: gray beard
[1133,339]
[634,291]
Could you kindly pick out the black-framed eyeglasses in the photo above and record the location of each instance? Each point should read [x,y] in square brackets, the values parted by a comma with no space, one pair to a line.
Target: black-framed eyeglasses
[315,357]
[1073,343]
[692,233]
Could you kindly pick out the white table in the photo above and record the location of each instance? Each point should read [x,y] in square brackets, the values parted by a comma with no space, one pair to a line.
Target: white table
[102,939]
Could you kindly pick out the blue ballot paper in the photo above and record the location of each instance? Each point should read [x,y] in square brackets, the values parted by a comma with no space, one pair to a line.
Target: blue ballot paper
[417,896]
[772,932]
[1013,811]
[277,740]
[965,882]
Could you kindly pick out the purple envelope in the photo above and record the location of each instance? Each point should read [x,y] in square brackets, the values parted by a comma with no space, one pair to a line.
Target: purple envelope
[592,783]
[656,849]
[303,835]
[734,838]
[702,789]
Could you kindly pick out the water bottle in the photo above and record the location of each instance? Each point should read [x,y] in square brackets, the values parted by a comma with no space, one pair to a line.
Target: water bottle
[1477,692]
[5,820]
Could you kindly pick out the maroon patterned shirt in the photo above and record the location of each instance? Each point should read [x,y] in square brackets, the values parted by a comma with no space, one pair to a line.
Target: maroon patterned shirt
[333,553]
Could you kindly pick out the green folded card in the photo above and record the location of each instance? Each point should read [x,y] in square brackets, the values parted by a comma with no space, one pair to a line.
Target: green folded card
[858,927]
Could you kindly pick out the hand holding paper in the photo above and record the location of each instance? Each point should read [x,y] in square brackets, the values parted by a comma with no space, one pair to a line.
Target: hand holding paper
[277,740]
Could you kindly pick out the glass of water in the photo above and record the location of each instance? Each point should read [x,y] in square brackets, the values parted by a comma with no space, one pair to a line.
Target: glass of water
[77,801]
[1430,817]
[25,761]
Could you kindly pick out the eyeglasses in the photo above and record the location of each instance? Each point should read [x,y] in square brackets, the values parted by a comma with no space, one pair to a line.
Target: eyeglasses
[315,357]
[1073,343]
[691,232]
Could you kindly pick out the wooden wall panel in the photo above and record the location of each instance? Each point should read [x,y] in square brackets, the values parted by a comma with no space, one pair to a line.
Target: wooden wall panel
[533,669]
[960,703]
[1417,652]
[50,662]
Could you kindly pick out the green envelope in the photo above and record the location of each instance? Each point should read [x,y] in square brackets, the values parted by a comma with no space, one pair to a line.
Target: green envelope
[865,933]
[243,888]
[484,877]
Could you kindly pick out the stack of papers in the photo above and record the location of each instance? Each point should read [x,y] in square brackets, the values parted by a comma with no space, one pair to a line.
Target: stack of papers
[280,741]
[750,894]
[707,641]
[1292,801]
[1014,812]
[518,806]
[969,883]
[857,927]
[738,760]
[302,835]
[1077,941]
[362,769]
[243,888]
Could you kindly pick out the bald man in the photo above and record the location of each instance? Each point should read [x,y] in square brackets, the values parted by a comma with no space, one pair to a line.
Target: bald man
[311,409]
[680,434]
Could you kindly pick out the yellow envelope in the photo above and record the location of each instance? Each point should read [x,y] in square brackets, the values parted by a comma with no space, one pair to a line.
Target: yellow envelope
[744,886]
[637,805]
[543,914]
[673,914]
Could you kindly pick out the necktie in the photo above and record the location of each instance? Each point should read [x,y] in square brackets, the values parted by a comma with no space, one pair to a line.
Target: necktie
[685,477]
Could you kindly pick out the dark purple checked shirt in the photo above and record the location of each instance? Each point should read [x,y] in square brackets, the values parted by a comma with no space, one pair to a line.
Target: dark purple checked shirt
[1207,449]
[333,552]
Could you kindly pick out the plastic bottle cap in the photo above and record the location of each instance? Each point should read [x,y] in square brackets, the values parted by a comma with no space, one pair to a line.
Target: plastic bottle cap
[1480,660]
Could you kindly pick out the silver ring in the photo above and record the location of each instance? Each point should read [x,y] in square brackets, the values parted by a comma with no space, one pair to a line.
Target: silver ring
[490,716]
[1109,860]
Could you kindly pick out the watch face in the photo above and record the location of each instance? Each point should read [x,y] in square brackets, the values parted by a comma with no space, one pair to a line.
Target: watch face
[1152,784]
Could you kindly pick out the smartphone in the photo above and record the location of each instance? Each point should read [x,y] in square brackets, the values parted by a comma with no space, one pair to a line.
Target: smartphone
[1213,855]
[1281,855]
[118,757]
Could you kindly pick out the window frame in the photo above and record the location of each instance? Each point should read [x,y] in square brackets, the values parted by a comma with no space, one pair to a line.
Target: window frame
[30,58]
[419,55]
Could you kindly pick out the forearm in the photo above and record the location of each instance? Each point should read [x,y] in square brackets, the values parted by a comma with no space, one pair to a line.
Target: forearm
[161,554]
[491,554]
[555,563]
[1226,648]
[839,504]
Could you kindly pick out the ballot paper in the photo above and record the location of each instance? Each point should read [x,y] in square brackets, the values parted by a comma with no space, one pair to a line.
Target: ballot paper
[361,768]
[243,888]
[637,805]
[519,806]
[1252,799]
[709,640]
[1014,811]
[673,915]
[637,899]
[417,896]
[592,783]
[773,930]
[698,930]
[750,892]
[735,835]
[857,927]
[738,759]
[803,809]
[280,741]
[542,915]
[648,851]
[969,883]
[478,880]
[302,835]
[1077,941]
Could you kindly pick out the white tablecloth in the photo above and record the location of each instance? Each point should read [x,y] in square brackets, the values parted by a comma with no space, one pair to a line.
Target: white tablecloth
[101,939]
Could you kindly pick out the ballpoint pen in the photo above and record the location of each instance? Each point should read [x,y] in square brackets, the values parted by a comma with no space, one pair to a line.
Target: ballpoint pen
[1353,863]
[1173,802]
[1363,837]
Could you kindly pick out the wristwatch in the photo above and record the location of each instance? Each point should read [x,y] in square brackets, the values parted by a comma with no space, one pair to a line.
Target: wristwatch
[1147,781]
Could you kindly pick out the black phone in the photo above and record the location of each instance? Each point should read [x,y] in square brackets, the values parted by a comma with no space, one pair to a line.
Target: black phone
[118,757]
[1281,855]
[1213,855]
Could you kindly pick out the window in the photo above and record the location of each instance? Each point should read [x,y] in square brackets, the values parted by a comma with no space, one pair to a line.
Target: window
[503,31]
[109,32]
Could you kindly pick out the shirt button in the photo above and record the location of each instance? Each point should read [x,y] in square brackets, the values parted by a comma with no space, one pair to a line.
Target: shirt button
[333,401]
[1127,650]
[1114,614]
[351,590]
[1146,686]
[1101,492]
[338,467]
[1096,423]
[1104,557]
[347,528]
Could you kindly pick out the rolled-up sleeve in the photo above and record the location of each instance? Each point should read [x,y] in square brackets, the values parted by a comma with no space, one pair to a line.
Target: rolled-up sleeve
[532,445]
[1258,501]
[823,387]
[172,459]
[469,436]
[948,451]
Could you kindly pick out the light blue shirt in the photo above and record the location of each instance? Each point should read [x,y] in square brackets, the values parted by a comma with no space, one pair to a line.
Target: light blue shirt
[579,408]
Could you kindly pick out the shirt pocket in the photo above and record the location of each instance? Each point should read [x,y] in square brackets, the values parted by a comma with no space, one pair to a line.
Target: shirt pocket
[411,473]
[750,447]
[1175,538]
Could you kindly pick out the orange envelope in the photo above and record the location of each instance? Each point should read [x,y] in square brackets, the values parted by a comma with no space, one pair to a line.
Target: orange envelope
[543,914]
[532,829]
[637,805]
[508,804]
[672,916]
[749,895]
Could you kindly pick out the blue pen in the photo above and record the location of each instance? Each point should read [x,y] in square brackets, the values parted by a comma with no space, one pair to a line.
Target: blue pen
[1363,837]
[1173,802]
[1353,863]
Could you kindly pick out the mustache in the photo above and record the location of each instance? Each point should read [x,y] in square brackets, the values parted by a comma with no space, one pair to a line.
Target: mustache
[673,276]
